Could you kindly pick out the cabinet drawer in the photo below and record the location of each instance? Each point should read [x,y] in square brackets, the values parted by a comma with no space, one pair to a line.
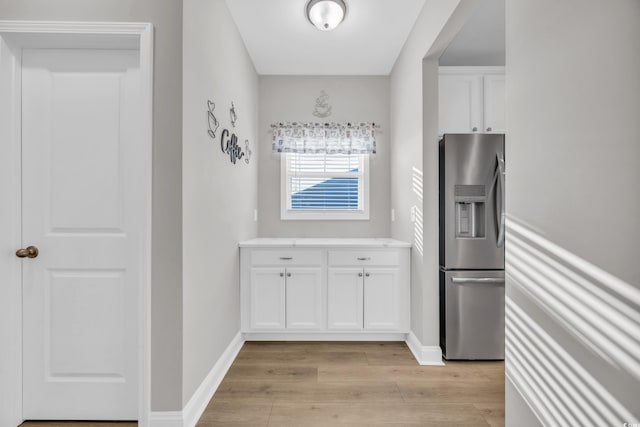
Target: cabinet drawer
[354,258]
[286,257]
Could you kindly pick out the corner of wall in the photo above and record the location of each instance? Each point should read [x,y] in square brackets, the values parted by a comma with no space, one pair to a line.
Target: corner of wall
[219,189]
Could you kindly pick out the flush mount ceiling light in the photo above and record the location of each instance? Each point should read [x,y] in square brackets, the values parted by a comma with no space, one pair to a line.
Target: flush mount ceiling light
[326,15]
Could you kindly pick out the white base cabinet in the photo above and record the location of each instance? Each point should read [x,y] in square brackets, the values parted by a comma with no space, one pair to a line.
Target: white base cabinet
[345,299]
[267,298]
[381,298]
[304,298]
[325,289]
[286,298]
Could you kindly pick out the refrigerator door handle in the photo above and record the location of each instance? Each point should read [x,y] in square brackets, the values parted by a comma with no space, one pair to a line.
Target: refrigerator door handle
[501,194]
[489,280]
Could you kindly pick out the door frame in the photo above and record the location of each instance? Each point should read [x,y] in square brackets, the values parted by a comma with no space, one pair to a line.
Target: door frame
[14,36]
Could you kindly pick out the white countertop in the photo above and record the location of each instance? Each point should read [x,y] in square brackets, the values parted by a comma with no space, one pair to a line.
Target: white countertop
[290,242]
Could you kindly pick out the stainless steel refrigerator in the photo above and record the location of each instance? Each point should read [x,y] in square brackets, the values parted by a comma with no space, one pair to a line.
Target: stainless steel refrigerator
[472,206]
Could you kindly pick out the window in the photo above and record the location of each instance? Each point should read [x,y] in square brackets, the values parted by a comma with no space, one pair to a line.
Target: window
[324,186]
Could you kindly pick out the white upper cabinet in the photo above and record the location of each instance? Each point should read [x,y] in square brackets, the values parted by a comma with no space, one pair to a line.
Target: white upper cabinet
[494,103]
[471,99]
[460,103]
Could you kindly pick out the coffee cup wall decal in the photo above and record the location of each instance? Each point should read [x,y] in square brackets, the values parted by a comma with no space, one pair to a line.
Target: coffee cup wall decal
[211,119]
[228,139]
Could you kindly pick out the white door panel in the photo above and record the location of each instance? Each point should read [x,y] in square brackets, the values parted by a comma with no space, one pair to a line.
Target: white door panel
[344,298]
[82,207]
[267,298]
[381,299]
[304,298]
[494,103]
[460,103]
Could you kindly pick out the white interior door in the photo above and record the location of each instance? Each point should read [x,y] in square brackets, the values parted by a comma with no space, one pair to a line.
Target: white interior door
[83,208]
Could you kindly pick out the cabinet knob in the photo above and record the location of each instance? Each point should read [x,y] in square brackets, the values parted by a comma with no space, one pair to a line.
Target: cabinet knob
[281,274]
[367,274]
[359,274]
[475,129]
[489,129]
[288,274]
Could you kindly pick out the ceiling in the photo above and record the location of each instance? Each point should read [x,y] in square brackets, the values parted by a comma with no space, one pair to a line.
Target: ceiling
[482,39]
[281,41]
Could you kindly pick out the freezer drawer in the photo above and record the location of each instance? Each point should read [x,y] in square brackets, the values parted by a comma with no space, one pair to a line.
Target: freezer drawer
[472,315]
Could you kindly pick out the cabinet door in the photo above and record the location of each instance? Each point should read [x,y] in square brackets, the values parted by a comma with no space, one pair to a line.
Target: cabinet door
[267,298]
[344,298]
[381,298]
[460,103]
[304,298]
[494,103]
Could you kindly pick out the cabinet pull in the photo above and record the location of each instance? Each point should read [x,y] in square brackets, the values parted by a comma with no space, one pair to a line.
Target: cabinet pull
[489,129]
[288,274]
[364,258]
[286,258]
[281,274]
[359,274]
[475,129]
[367,274]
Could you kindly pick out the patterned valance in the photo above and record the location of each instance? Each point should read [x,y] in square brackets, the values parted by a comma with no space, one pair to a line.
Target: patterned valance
[329,138]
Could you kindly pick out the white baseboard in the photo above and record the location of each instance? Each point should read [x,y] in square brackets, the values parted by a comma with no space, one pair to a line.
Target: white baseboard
[324,336]
[165,419]
[200,399]
[193,410]
[424,354]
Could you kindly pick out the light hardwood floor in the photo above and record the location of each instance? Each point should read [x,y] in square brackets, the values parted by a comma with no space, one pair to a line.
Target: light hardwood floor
[313,384]
[356,384]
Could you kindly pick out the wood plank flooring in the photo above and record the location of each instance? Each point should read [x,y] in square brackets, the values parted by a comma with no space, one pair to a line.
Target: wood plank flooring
[319,384]
[353,384]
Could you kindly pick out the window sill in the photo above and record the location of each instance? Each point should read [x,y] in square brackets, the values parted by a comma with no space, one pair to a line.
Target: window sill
[324,216]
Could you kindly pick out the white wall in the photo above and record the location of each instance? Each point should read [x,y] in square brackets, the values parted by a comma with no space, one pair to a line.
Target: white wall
[353,99]
[166,298]
[414,130]
[218,197]
[573,200]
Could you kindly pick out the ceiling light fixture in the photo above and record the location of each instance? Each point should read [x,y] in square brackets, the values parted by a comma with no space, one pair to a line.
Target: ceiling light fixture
[326,15]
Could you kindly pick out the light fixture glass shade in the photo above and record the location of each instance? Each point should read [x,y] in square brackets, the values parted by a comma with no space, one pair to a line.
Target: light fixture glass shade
[326,14]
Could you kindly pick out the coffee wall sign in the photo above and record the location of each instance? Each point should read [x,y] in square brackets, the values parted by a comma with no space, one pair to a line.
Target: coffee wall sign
[228,139]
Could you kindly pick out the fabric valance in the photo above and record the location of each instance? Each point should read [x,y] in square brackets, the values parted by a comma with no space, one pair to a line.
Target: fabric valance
[328,138]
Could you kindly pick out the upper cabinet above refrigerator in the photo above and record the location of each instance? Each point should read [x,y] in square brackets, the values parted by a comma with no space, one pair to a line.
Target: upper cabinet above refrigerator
[471,100]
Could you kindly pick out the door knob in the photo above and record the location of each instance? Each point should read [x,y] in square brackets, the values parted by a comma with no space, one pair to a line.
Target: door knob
[28,252]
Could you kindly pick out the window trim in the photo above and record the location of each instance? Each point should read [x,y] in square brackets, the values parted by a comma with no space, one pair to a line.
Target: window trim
[322,215]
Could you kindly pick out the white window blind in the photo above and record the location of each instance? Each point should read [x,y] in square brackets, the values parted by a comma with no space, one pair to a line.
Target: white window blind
[324,185]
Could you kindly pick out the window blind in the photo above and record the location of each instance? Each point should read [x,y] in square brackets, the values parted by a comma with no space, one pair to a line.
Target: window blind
[324,182]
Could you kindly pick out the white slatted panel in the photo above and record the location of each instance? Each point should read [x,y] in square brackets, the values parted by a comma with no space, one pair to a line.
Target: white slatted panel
[324,181]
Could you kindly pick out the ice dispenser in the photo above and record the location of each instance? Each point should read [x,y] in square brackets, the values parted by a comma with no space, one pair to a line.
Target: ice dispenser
[470,211]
